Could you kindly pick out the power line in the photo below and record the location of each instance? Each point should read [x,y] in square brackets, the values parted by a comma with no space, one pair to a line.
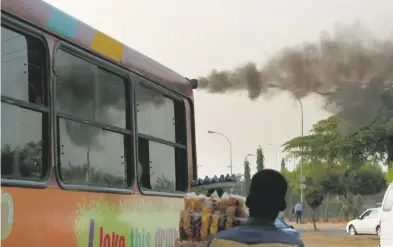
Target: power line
[9,53]
[14,37]
[13,60]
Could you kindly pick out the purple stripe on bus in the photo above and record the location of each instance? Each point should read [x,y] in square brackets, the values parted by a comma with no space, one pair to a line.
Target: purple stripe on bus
[91,234]
[85,34]
[35,11]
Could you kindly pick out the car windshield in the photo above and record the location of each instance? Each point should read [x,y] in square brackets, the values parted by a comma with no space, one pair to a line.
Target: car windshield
[280,224]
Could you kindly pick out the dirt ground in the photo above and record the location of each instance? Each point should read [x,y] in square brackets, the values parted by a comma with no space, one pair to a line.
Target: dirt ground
[318,239]
[320,225]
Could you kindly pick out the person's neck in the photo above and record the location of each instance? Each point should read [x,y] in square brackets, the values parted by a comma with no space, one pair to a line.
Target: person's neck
[261,218]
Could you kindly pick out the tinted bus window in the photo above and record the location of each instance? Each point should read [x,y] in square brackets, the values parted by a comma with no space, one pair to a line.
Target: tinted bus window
[86,91]
[93,134]
[24,109]
[161,142]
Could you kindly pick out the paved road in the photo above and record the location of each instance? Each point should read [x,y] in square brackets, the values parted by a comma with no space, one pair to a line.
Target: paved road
[331,229]
[328,231]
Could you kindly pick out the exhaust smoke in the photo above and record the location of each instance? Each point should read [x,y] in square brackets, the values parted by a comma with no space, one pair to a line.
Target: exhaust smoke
[350,68]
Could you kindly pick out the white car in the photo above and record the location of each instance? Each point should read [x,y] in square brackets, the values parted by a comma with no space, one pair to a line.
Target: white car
[367,223]
[386,227]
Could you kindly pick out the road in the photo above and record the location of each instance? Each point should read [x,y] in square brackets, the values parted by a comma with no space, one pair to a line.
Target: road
[328,231]
[333,229]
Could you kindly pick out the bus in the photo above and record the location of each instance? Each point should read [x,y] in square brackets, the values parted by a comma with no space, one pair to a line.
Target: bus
[97,140]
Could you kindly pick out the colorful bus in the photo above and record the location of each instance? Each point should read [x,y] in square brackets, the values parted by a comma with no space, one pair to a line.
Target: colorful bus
[97,140]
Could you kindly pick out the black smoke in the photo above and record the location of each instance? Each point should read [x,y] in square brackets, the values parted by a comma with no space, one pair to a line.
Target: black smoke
[350,68]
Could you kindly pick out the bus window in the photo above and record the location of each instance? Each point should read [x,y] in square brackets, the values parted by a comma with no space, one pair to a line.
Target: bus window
[161,142]
[93,132]
[24,109]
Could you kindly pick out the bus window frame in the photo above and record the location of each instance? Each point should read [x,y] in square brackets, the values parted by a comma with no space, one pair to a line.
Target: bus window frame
[17,24]
[128,135]
[193,141]
[151,85]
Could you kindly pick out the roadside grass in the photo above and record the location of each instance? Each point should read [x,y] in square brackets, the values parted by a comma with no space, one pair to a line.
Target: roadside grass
[320,239]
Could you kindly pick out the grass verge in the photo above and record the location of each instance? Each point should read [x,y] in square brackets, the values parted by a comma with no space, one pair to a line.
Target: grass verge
[319,239]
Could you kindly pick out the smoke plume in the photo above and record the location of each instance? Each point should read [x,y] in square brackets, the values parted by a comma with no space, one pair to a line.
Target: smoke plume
[350,67]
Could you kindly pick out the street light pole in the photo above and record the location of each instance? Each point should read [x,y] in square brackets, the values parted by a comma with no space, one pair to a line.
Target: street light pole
[302,161]
[230,146]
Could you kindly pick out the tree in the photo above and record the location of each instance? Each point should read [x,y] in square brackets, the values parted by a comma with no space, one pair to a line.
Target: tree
[366,180]
[22,162]
[327,143]
[283,166]
[314,197]
[164,184]
[260,159]
[247,176]
[374,102]
[89,175]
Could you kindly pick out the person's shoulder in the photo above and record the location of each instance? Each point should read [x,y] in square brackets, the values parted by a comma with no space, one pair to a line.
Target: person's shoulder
[225,238]
[289,239]
[228,233]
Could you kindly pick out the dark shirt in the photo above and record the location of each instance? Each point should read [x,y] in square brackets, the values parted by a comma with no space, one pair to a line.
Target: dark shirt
[255,232]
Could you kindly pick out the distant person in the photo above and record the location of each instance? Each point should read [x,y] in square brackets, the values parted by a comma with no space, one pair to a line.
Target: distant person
[298,212]
[264,204]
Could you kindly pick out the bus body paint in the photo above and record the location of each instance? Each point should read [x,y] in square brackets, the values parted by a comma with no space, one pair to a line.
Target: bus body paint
[83,219]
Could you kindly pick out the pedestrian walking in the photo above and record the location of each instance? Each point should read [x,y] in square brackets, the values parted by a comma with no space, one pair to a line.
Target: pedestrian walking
[298,212]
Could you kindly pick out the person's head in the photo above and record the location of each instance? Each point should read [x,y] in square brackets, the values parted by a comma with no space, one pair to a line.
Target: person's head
[266,197]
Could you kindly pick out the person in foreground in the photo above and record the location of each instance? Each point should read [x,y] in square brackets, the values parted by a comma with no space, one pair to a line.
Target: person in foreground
[265,200]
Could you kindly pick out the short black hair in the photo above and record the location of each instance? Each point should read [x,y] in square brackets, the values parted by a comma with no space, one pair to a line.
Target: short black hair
[266,197]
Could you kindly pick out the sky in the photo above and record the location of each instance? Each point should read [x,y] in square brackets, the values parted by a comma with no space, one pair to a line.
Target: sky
[194,37]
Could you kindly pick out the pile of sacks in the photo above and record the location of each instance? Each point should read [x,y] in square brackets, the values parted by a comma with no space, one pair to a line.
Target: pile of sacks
[202,217]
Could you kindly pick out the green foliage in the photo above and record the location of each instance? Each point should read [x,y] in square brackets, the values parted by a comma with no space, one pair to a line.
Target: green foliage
[342,157]
[366,180]
[260,159]
[326,143]
[247,176]
[314,197]
[389,176]
[316,169]
[25,162]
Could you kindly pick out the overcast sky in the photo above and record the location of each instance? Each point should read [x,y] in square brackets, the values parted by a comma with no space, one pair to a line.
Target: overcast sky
[194,37]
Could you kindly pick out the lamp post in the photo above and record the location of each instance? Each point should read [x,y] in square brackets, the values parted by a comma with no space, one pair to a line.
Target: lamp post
[302,162]
[230,147]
